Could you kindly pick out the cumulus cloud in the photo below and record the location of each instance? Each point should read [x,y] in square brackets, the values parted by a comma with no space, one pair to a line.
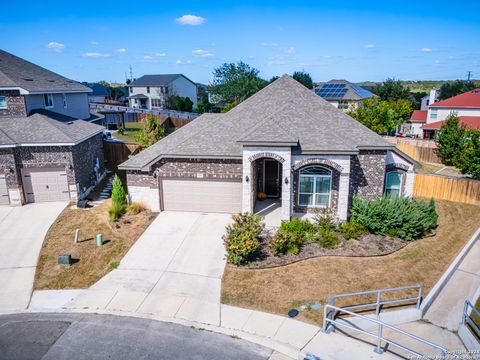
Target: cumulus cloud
[202,53]
[269,44]
[95,55]
[370,46]
[55,46]
[147,57]
[181,62]
[159,54]
[94,42]
[290,50]
[122,50]
[426,49]
[190,20]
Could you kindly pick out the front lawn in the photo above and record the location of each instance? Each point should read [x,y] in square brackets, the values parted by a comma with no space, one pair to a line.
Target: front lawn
[277,290]
[91,261]
[131,128]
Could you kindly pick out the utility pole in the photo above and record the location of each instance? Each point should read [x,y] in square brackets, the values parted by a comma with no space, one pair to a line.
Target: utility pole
[131,73]
[469,76]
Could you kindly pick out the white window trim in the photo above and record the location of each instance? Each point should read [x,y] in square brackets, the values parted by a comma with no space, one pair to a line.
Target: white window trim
[6,103]
[401,181]
[64,98]
[315,185]
[49,96]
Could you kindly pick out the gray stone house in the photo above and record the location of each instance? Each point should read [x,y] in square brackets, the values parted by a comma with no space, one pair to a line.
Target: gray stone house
[284,141]
[49,149]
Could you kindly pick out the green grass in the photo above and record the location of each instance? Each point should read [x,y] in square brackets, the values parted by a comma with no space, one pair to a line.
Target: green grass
[130,130]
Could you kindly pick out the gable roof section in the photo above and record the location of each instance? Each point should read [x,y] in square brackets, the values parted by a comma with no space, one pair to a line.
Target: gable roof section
[470,122]
[17,72]
[45,127]
[158,80]
[469,99]
[419,116]
[284,111]
[342,90]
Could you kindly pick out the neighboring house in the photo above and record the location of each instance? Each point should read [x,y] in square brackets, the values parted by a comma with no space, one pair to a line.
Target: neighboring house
[152,91]
[342,94]
[285,141]
[413,126]
[46,152]
[429,99]
[466,106]
[99,93]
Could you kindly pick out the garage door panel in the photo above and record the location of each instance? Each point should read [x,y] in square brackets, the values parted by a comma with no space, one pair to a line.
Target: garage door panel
[206,196]
[45,184]
[4,198]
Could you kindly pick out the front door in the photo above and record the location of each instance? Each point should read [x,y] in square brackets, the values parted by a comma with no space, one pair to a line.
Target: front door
[271,178]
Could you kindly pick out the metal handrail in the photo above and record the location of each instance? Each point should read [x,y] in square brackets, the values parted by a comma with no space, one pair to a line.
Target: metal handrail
[379,302]
[379,336]
[467,318]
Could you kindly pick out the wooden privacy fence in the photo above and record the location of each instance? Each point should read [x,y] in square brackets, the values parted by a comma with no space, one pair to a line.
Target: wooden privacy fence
[117,152]
[420,150]
[446,188]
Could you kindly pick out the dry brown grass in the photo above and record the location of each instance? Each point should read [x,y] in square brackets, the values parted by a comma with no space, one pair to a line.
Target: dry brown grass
[93,261]
[315,280]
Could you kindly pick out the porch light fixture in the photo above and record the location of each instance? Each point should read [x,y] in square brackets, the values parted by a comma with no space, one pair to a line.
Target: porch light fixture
[286,180]
[247,179]
[70,167]
[10,170]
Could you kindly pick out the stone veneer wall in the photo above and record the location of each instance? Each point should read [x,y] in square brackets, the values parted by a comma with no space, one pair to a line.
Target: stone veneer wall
[7,162]
[15,103]
[367,174]
[88,162]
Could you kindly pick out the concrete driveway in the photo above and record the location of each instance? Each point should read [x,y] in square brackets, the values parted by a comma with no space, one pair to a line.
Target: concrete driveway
[173,270]
[22,230]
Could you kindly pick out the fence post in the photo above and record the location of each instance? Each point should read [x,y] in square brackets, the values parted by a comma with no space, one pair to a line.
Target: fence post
[378,348]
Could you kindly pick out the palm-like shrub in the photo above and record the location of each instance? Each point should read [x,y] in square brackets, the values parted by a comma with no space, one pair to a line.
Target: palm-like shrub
[403,217]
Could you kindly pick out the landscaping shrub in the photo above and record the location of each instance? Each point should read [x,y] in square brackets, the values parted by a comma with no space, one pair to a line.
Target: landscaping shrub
[328,238]
[135,208]
[119,200]
[287,242]
[241,239]
[297,226]
[403,217]
[325,218]
[352,230]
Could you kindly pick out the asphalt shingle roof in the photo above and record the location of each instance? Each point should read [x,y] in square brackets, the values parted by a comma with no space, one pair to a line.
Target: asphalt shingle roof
[156,80]
[17,72]
[284,111]
[44,127]
[348,92]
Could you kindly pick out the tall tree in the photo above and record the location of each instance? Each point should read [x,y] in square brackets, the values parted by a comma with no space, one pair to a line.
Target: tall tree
[151,133]
[469,159]
[453,88]
[392,89]
[450,139]
[235,82]
[303,78]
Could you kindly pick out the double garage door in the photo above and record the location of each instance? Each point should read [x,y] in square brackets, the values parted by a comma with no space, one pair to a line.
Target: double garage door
[45,184]
[204,196]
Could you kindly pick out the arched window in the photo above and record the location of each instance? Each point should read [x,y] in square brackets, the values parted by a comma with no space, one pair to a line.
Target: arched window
[314,186]
[393,183]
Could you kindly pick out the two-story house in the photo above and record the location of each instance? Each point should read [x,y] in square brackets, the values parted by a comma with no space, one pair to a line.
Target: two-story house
[153,91]
[49,149]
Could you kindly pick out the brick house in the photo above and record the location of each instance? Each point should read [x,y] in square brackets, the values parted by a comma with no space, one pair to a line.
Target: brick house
[49,149]
[284,141]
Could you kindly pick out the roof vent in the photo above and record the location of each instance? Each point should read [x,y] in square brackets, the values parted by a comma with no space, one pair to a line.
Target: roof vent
[50,80]
[28,79]
[69,123]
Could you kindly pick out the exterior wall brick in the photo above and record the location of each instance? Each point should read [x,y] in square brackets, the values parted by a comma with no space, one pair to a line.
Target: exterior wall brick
[15,103]
[139,178]
[7,162]
[225,169]
[88,162]
[367,174]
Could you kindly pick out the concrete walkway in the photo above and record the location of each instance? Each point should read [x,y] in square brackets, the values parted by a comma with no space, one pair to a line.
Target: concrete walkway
[446,310]
[22,231]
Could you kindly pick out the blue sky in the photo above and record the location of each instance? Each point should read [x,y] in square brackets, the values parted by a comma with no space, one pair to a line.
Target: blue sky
[354,40]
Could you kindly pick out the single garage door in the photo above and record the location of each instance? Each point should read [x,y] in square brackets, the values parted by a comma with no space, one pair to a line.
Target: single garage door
[45,184]
[205,196]
[4,199]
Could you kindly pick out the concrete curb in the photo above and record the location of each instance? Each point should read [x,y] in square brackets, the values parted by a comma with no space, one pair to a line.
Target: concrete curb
[436,290]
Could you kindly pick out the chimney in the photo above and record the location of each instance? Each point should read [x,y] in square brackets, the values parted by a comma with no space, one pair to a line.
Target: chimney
[433,97]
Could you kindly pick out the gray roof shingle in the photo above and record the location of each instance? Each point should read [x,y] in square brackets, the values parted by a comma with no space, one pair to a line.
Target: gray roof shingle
[17,72]
[349,92]
[157,80]
[283,112]
[45,127]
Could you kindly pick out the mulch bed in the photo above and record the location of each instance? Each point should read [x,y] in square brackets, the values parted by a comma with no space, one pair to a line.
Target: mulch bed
[367,245]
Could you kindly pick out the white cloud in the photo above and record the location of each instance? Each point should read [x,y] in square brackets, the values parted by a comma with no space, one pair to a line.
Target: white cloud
[161,54]
[147,57]
[190,20]
[122,50]
[290,50]
[95,55]
[370,46]
[425,49]
[94,42]
[327,56]
[181,62]
[202,53]
[55,46]
[269,44]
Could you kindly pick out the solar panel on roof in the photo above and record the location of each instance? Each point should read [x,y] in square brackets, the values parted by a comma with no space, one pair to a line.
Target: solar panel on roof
[362,92]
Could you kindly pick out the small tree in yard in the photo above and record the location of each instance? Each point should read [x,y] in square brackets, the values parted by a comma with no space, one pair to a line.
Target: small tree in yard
[450,140]
[119,200]
[469,159]
[303,78]
[152,132]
